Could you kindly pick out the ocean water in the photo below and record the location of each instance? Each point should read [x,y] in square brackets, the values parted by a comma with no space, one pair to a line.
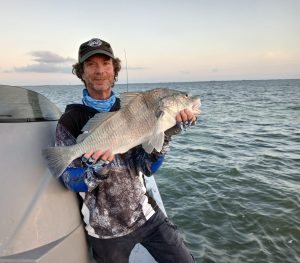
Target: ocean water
[232,182]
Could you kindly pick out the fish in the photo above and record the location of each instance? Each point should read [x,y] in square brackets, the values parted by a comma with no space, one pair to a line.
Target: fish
[142,120]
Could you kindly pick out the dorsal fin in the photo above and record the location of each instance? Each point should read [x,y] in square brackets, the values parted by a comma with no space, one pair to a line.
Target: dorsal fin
[127,97]
[93,123]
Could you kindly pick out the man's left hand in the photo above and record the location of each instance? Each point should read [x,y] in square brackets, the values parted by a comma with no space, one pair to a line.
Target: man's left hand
[186,116]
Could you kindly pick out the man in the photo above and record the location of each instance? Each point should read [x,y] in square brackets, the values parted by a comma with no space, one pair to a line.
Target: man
[116,207]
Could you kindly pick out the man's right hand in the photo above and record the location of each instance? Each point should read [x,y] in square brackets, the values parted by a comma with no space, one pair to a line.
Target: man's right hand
[92,157]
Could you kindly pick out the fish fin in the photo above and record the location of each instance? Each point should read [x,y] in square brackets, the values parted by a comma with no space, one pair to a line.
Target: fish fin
[82,136]
[156,142]
[96,120]
[167,121]
[157,139]
[127,97]
[58,159]
[147,147]
[93,123]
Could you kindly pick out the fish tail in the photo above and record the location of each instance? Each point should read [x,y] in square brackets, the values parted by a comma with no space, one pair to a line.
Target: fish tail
[58,159]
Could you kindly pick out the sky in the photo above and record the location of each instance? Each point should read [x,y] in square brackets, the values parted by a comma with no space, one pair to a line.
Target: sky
[163,40]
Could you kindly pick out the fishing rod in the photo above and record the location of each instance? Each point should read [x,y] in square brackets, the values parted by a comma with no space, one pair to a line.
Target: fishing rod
[126,69]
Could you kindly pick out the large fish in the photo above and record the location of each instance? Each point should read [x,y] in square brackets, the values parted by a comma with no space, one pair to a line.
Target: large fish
[142,119]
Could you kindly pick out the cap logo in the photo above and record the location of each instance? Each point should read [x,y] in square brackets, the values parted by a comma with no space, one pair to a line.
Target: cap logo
[95,42]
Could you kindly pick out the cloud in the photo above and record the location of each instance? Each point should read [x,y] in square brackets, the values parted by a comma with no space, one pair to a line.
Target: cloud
[44,68]
[47,62]
[50,57]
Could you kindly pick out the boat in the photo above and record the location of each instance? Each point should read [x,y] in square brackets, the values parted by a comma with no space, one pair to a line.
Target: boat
[40,219]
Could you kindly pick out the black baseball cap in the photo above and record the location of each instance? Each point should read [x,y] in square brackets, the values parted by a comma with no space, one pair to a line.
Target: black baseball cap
[92,47]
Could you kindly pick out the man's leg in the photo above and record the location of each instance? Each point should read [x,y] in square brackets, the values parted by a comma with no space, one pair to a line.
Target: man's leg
[111,250]
[164,242]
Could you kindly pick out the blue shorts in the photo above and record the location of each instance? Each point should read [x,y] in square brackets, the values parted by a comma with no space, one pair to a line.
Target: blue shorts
[158,235]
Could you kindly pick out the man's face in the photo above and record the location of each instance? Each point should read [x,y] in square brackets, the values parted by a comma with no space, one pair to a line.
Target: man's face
[98,75]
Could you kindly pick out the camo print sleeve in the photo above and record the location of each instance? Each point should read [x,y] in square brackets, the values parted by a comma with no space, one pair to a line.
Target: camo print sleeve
[173,130]
[63,137]
[77,177]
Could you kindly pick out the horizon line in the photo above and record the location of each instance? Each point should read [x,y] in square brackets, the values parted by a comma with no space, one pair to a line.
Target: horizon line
[166,82]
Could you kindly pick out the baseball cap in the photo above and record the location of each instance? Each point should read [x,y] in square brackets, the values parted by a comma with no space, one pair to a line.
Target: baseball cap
[92,47]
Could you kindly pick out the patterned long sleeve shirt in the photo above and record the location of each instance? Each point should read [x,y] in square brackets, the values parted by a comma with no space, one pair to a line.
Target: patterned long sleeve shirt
[115,200]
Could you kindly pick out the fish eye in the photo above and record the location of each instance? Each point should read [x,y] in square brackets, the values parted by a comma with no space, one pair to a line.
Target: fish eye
[186,95]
